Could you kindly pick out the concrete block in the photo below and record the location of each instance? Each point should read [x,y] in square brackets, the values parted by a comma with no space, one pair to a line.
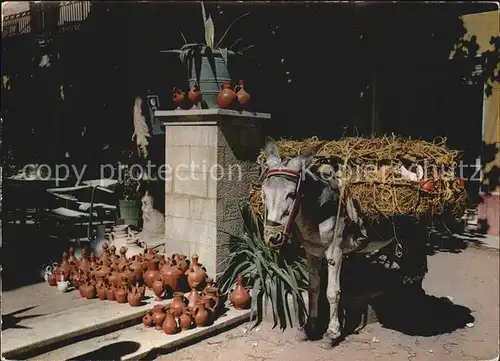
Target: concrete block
[191,183]
[203,158]
[178,157]
[203,233]
[177,205]
[203,209]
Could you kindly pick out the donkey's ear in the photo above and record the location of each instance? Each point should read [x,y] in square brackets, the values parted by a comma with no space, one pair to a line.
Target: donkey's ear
[271,149]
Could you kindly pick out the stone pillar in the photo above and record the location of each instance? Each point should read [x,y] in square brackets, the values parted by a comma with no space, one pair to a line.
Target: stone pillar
[210,158]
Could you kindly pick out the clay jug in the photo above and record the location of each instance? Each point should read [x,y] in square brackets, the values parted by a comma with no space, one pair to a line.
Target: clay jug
[136,268]
[171,276]
[121,293]
[127,275]
[226,96]
[147,320]
[159,316]
[105,257]
[65,265]
[52,279]
[110,293]
[185,321]
[93,261]
[170,326]
[196,274]
[134,297]
[89,291]
[123,261]
[195,96]
[178,304]
[101,290]
[240,296]
[181,262]
[72,258]
[193,299]
[102,270]
[212,297]
[201,314]
[149,275]
[84,262]
[112,255]
[76,277]
[158,287]
[114,277]
[209,282]
[242,95]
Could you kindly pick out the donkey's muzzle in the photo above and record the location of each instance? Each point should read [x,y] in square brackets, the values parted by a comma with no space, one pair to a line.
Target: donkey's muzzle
[275,236]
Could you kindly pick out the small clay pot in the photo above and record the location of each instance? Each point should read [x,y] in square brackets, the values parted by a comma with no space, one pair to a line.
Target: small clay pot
[84,262]
[158,316]
[240,296]
[178,304]
[110,293]
[170,326]
[134,296]
[195,96]
[242,95]
[226,96]
[196,274]
[201,314]
[121,294]
[72,258]
[52,279]
[158,287]
[149,275]
[147,320]
[185,321]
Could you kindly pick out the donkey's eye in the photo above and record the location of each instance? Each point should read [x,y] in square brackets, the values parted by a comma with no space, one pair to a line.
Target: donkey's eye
[292,195]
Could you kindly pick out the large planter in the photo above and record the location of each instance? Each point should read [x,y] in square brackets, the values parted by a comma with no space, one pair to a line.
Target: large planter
[210,71]
[130,211]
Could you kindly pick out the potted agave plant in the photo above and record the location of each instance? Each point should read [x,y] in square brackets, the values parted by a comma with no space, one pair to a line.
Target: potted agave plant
[207,62]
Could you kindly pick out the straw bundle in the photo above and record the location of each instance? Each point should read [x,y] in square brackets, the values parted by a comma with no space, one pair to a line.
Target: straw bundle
[386,176]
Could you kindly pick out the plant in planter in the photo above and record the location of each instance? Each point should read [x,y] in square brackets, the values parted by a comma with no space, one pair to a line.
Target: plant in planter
[207,62]
[129,193]
[274,277]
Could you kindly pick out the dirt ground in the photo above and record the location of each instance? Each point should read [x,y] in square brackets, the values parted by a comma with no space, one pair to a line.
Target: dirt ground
[436,330]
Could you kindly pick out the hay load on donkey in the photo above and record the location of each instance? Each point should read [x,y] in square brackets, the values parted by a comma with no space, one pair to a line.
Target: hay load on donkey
[386,176]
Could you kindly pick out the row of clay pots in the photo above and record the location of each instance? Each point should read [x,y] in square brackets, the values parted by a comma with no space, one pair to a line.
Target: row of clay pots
[227,98]
[122,293]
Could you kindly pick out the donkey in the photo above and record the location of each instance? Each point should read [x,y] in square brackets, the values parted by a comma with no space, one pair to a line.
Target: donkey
[291,193]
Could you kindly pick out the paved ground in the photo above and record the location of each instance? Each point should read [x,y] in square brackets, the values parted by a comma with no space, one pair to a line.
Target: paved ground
[434,330]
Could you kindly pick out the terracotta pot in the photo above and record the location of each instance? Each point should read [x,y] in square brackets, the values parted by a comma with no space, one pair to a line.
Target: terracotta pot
[226,96]
[212,296]
[93,261]
[195,96]
[123,261]
[101,290]
[65,265]
[178,304]
[159,316]
[88,290]
[149,275]
[181,262]
[185,321]
[179,98]
[110,293]
[127,275]
[171,276]
[77,277]
[52,280]
[193,299]
[134,296]
[114,277]
[112,255]
[170,326]
[158,287]
[121,293]
[240,296]
[209,282]
[136,268]
[147,320]
[201,314]
[84,262]
[196,274]
[102,270]
[242,95]
[72,258]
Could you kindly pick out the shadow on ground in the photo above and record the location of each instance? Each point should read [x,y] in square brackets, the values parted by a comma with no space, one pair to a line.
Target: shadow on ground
[422,315]
[12,320]
[114,351]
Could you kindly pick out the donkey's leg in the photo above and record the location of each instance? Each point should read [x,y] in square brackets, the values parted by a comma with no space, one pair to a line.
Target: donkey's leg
[334,256]
[314,265]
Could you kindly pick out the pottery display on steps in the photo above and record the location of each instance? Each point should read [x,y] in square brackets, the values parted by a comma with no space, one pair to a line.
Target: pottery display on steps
[240,296]
[195,274]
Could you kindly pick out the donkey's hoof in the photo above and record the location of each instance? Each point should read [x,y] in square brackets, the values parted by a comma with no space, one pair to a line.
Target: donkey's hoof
[329,340]
[301,334]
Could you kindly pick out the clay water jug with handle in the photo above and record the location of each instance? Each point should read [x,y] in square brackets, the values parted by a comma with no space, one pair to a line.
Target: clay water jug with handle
[240,296]
[170,326]
[242,95]
[226,96]
[196,274]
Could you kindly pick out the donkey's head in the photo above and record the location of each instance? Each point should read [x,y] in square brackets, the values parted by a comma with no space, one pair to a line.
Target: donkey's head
[282,192]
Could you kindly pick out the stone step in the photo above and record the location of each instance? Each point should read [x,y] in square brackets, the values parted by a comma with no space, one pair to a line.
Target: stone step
[138,341]
[48,331]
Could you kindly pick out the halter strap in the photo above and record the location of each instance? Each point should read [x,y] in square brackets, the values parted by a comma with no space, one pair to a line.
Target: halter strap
[295,176]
